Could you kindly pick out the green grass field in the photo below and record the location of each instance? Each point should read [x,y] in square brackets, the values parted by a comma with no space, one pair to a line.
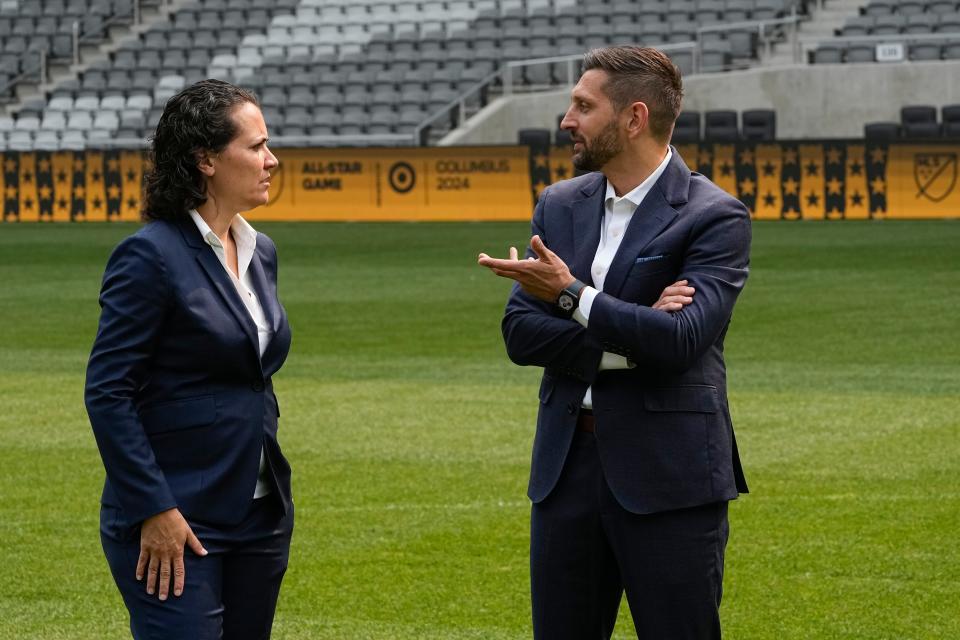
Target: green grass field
[409,433]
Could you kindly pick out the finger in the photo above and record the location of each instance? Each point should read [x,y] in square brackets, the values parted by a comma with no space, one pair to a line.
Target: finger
[676,299]
[674,290]
[165,571]
[513,253]
[178,575]
[669,306]
[194,543]
[141,564]
[152,574]
[540,249]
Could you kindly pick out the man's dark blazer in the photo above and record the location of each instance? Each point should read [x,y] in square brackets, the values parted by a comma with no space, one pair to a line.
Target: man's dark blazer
[663,428]
[180,401]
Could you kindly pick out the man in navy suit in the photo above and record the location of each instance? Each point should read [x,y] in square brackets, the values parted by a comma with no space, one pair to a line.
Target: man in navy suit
[196,516]
[634,459]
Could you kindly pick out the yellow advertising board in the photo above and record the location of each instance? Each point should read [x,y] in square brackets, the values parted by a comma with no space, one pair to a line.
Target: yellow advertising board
[457,183]
[781,180]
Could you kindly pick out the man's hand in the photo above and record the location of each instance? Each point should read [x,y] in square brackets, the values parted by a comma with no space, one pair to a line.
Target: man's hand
[543,277]
[162,537]
[675,297]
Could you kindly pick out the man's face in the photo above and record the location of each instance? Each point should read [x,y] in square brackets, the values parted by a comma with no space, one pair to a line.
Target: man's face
[593,123]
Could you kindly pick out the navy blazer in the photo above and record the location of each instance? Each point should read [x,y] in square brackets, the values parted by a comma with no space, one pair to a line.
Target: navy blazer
[180,400]
[663,429]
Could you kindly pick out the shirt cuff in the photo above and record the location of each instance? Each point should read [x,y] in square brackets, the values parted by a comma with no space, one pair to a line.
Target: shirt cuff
[582,313]
[614,361]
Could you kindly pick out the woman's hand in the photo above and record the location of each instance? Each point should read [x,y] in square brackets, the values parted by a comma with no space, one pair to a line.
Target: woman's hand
[675,297]
[162,538]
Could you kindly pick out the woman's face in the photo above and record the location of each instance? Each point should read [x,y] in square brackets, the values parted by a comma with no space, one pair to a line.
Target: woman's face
[240,176]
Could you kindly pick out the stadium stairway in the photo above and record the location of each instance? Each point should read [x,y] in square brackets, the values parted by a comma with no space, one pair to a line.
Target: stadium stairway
[825,18]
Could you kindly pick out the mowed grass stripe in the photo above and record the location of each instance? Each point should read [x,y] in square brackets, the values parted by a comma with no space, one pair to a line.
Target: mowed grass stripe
[409,432]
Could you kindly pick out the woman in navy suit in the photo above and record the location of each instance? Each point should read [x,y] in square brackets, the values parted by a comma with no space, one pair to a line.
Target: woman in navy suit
[196,515]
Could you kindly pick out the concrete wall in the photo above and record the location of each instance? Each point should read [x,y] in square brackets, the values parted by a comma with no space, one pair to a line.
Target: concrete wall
[815,101]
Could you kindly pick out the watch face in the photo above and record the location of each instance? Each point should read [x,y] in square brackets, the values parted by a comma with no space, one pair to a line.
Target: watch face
[565,301]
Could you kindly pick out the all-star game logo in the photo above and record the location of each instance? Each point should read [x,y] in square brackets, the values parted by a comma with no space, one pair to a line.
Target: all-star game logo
[935,174]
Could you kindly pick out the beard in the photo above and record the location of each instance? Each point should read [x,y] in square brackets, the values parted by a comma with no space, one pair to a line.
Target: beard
[600,151]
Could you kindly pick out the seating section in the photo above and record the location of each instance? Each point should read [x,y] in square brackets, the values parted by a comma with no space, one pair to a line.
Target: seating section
[339,68]
[929,29]
[918,122]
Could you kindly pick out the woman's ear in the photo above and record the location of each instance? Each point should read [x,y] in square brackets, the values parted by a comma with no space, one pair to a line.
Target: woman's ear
[205,163]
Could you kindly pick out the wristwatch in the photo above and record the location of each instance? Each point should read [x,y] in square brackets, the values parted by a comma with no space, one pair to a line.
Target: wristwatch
[569,298]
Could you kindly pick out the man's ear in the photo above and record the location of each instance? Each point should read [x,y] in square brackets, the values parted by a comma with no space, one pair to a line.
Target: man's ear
[639,119]
[205,163]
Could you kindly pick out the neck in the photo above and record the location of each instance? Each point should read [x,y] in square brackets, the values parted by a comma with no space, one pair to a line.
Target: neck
[219,221]
[629,169]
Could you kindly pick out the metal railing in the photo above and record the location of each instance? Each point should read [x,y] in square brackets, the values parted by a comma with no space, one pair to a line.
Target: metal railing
[809,44]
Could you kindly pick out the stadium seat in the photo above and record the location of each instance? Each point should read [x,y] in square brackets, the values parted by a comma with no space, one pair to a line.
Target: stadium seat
[860,53]
[924,51]
[919,122]
[950,115]
[537,138]
[881,131]
[759,124]
[721,126]
[687,128]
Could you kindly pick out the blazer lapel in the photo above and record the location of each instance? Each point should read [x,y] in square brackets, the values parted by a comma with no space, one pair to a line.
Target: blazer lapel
[653,215]
[587,214]
[267,297]
[221,281]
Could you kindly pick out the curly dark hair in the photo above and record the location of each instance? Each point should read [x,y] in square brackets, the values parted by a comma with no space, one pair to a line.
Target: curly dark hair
[195,120]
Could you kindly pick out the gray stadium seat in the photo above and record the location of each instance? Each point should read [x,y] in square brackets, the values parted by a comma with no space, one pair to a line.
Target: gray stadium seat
[924,51]
[721,126]
[950,115]
[759,124]
[919,122]
[687,128]
[881,131]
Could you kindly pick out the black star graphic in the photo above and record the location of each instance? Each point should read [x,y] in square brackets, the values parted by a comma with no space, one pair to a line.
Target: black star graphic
[97,203]
[28,203]
[95,176]
[62,203]
[131,175]
[62,176]
[769,199]
[856,168]
[561,172]
[726,169]
[28,177]
[856,199]
[812,168]
[132,203]
[768,168]
[813,199]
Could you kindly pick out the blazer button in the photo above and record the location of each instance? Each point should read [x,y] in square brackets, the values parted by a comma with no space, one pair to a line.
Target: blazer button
[257,385]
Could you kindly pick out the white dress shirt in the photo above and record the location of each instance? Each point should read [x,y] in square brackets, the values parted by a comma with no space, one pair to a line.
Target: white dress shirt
[617,213]
[245,238]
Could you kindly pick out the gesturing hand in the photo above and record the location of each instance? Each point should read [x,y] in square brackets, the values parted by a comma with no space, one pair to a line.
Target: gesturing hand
[544,276]
[162,538]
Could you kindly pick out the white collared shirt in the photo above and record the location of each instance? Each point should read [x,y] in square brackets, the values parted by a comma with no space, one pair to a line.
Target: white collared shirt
[617,214]
[245,237]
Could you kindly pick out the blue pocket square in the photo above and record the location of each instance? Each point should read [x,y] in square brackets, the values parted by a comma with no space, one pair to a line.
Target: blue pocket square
[643,259]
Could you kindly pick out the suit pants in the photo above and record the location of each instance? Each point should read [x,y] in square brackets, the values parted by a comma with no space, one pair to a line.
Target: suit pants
[231,593]
[586,550]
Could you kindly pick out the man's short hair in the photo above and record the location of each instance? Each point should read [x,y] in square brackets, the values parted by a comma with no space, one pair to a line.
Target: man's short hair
[640,74]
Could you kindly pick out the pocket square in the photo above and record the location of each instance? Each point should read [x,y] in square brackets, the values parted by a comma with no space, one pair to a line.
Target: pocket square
[643,259]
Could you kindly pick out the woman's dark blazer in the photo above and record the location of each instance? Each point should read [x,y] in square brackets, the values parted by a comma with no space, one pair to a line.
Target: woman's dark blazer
[180,401]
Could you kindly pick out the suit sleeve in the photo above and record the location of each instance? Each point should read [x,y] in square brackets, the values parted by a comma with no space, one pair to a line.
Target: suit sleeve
[535,335]
[716,264]
[133,301]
